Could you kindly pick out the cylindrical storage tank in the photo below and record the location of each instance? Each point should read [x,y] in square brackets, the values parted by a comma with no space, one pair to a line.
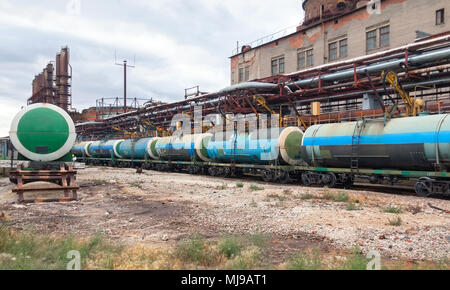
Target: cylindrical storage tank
[261,146]
[105,149]
[410,143]
[136,148]
[183,148]
[42,132]
[81,149]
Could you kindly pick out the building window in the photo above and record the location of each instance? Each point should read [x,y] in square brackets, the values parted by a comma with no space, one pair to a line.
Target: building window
[278,66]
[247,73]
[377,38]
[333,51]
[440,17]
[241,74]
[372,39]
[384,36]
[301,59]
[305,58]
[343,51]
[337,49]
[309,57]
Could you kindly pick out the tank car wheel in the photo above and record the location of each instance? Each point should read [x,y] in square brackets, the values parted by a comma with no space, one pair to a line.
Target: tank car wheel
[267,175]
[423,187]
[329,179]
[226,172]
[212,171]
[348,180]
[283,177]
[306,180]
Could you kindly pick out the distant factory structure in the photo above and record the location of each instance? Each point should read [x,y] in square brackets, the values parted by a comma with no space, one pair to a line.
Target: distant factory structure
[336,30]
[53,84]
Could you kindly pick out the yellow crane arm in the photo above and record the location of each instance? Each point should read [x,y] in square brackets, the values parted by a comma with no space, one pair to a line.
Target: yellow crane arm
[413,106]
[262,102]
[131,134]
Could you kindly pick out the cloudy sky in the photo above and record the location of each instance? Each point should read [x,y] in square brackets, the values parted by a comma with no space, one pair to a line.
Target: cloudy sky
[177,44]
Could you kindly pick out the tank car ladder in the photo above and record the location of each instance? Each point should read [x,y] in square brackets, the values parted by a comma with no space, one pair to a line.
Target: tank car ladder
[356,138]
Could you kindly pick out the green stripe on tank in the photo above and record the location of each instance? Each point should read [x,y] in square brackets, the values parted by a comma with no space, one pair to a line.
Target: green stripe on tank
[153,147]
[204,146]
[42,130]
[292,145]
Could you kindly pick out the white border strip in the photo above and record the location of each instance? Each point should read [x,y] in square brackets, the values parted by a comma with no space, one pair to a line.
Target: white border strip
[36,156]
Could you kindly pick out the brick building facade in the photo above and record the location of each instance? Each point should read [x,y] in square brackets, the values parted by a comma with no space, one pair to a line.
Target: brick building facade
[335,30]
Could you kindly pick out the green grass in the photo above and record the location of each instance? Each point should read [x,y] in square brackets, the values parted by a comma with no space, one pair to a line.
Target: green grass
[356,261]
[137,184]
[254,187]
[259,240]
[351,206]
[229,252]
[276,196]
[395,222]
[287,192]
[231,246]
[193,250]
[306,196]
[340,197]
[303,261]
[239,185]
[393,209]
[27,251]
[222,187]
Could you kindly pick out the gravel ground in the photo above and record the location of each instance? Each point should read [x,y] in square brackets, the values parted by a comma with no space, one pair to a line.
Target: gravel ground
[161,208]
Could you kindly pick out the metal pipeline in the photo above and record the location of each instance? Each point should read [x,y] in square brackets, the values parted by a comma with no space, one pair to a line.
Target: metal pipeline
[352,94]
[248,85]
[394,65]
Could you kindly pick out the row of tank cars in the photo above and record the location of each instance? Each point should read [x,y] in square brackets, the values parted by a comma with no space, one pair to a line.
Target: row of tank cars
[383,151]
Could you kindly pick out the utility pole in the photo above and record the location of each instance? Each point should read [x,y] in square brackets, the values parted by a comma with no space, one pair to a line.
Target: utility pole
[125,65]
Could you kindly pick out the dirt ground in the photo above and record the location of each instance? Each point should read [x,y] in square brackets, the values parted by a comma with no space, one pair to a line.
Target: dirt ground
[160,208]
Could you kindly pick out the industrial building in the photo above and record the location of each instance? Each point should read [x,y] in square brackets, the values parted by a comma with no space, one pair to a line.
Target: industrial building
[335,30]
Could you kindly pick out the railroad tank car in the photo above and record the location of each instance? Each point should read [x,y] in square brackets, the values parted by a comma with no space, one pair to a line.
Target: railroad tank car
[137,149]
[264,146]
[43,132]
[183,147]
[410,143]
[81,149]
[105,149]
